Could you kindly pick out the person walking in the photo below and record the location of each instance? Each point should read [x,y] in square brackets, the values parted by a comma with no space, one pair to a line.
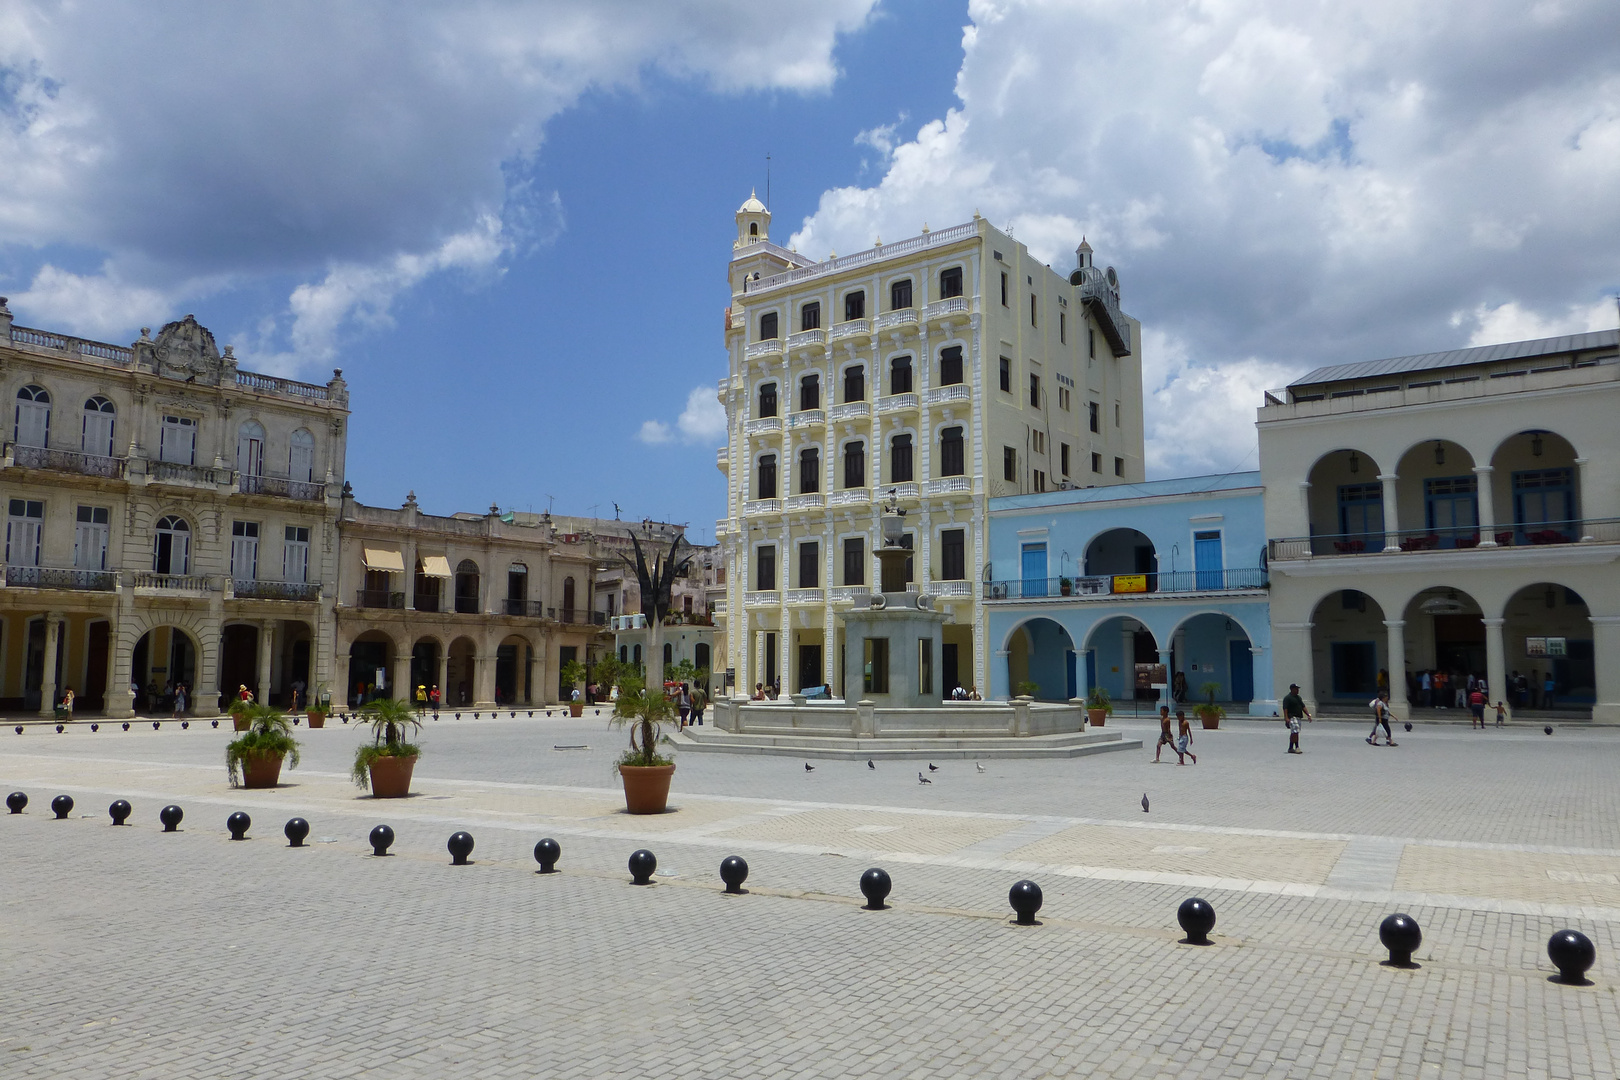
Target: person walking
[1549,691]
[421,699]
[699,700]
[683,702]
[1294,710]
[1476,707]
[1184,740]
[1501,714]
[1380,708]
[181,700]
[1164,733]
[1428,690]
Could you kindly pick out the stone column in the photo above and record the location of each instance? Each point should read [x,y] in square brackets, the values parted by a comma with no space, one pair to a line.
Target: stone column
[402,690]
[47,682]
[1485,498]
[1606,642]
[116,691]
[1392,542]
[1294,662]
[1127,662]
[1305,510]
[1165,658]
[267,633]
[1398,705]
[484,680]
[1004,691]
[1495,660]
[444,676]
[1583,482]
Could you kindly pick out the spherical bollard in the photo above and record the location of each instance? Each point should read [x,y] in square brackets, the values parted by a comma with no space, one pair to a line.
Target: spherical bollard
[875,885]
[295,721]
[19,729]
[95,727]
[214,722]
[1025,898]
[16,801]
[238,823]
[62,806]
[475,716]
[733,871]
[1197,919]
[126,725]
[170,816]
[295,830]
[546,853]
[382,838]
[1573,954]
[642,865]
[1401,935]
[156,724]
[185,725]
[460,846]
[60,729]
[119,811]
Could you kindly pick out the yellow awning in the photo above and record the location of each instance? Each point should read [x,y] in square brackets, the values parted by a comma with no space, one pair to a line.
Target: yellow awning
[435,566]
[384,559]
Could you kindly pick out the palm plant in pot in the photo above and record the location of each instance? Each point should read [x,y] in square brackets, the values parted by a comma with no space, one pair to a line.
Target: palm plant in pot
[645,772]
[1099,706]
[318,706]
[573,675]
[241,712]
[1209,712]
[385,763]
[253,760]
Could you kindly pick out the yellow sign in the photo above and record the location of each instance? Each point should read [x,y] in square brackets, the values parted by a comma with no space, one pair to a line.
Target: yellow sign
[1129,583]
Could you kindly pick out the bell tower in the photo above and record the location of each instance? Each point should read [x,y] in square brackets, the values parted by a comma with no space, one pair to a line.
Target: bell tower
[753,222]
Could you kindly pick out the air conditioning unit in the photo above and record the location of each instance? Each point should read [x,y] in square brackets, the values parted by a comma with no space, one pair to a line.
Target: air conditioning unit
[998,591]
[1064,485]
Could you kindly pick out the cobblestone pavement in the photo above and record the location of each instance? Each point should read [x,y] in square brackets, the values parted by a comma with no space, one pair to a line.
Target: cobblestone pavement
[119,942]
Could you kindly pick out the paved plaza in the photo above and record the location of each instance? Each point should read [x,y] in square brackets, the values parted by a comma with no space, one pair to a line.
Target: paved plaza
[132,953]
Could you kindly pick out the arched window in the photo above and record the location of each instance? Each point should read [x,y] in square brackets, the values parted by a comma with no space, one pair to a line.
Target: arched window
[855,464]
[900,295]
[952,460]
[855,383]
[900,470]
[301,457]
[467,587]
[855,305]
[765,478]
[637,656]
[250,449]
[753,228]
[517,588]
[568,601]
[810,392]
[97,436]
[669,653]
[33,420]
[810,316]
[700,656]
[950,282]
[900,375]
[171,554]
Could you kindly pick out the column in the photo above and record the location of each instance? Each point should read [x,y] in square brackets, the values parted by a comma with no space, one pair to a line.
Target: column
[484,680]
[47,684]
[1295,662]
[1583,478]
[1495,659]
[1000,687]
[1164,695]
[267,633]
[1305,509]
[408,558]
[1396,661]
[116,691]
[1606,642]
[402,690]
[1485,499]
[1127,661]
[1392,541]
[444,676]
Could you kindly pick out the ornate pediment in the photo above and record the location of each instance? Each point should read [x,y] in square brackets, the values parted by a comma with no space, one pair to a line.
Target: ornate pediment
[185,349]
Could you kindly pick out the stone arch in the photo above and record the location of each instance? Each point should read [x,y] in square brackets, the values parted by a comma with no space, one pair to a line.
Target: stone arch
[1349,645]
[461,671]
[1041,650]
[1345,502]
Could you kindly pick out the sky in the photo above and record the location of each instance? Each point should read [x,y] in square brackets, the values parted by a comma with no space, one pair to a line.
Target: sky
[508,223]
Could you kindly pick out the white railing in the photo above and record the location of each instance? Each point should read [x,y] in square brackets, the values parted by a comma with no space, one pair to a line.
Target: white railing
[903,317]
[951,588]
[719,607]
[852,328]
[763,506]
[121,355]
[805,596]
[806,338]
[857,593]
[808,501]
[938,395]
[765,425]
[896,403]
[807,418]
[850,497]
[850,410]
[947,485]
[252,380]
[861,258]
[38,457]
[762,598]
[772,347]
[193,583]
[949,306]
[907,490]
[722,458]
[169,471]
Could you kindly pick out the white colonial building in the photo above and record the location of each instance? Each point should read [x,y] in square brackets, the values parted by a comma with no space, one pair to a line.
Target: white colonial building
[946,368]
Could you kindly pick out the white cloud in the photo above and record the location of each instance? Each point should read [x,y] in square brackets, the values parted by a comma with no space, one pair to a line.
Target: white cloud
[1513,322]
[703,420]
[1280,185]
[90,305]
[655,432]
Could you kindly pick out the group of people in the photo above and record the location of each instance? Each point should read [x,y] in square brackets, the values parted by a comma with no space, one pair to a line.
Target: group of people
[173,697]
[691,701]
[1437,689]
[427,697]
[971,693]
[1181,743]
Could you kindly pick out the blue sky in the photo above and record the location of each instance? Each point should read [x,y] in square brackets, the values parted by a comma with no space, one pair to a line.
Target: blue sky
[508,222]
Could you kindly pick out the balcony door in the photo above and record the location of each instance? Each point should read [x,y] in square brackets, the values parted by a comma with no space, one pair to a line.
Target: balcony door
[172,552]
[1034,569]
[1451,509]
[1361,514]
[1208,564]
[90,534]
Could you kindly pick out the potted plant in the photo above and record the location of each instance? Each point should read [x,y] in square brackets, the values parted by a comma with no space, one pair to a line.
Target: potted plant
[241,712]
[645,772]
[1209,712]
[1027,689]
[318,707]
[254,760]
[573,675]
[1065,586]
[385,764]
[1098,706]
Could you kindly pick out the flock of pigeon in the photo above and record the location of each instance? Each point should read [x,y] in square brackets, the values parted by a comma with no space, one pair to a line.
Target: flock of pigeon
[921,778]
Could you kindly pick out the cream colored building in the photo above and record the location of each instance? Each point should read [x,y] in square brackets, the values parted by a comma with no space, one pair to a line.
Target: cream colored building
[170,519]
[948,368]
[1456,512]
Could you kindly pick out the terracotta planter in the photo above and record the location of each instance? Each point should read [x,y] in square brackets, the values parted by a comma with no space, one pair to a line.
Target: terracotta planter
[1097,716]
[241,722]
[646,787]
[391,777]
[316,719]
[261,770]
[1211,721]
[576,708]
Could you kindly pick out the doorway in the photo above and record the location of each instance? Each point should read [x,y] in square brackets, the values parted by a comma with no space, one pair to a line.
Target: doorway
[809,667]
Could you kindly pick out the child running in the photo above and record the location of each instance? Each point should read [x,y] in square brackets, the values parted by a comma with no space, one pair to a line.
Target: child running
[1164,733]
[1184,740]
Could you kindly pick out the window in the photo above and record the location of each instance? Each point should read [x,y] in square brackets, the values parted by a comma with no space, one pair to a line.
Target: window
[950,365]
[767,399]
[1003,288]
[468,592]
[809,470]
[810,565]
[1116,414]
[171,550]
[925,666]
[1119,466]
[810,392]
[1063,328]
[810,316]
[97,437]
[953,555]
[1006,375]
[1542,497]
[855,383]
[295,554]
[1009,463]
[1091,343]
[1063,458]
[1039,479]
[1451,509]
[875,665]
[765,573]
[855,305]
[854,464]
[765,482]
[854,561]
[1208,563]
[1064,399]
[568,606]
[301,457]
[900,375]
[952,460]
[767,326]
[245,550]
[1096,463]
[950,282]
[1038,441]
[90,538]
[25,522]
[177,440]
[517,586]
[900,295]
[33,420]
[900,469]
[1093,411]
[1033,321]
[250,449]
[1034,391]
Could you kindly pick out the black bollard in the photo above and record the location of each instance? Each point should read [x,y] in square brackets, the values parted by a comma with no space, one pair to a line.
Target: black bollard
[95,727]
[156,724]
[214,722]
[1573,954]
[642,865]
[382,838]
[475,716]
[126,725]
[875,885]
[295,830]
[460,846]
[16,801]
[60,729]
[119,811]
[733,871]
[458,716]
[1025,898]
[185,725]
[546,853]
[170,816]
[1197,919]
[238,823]
[62,806]
[19,728]
[1401,935]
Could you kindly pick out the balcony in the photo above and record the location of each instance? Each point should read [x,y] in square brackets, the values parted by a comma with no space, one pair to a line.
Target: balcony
[765,425]
[69,461]
[759,349]
[808,418]
[762,506]
[850,497]
[950,588]
[806,338]
[896,403]
[850,410]
[428,602]
[906,490]
[860,594]
[940,395]
[761,598]
[806,597]
[577,616]
[1540,534]
[280,487]
[851,328]
[50,577]
[952,305]
[467,605]
[722,458]
[808,501]
[296,591]
[948,485]
[197,584]
[174,472]
[891,319]
[522,609]
[719,607]
[1129,586]
[379,598]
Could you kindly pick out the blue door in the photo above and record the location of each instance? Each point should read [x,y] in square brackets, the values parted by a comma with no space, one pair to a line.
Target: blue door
[1242,669]
[1034,568]
[1207,562]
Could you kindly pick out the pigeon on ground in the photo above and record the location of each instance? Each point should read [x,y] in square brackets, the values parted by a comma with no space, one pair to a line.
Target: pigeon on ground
[921,779]
[979,765]
[932,767]
[869,764]
[1144,802]
[1548,729]
[809,767]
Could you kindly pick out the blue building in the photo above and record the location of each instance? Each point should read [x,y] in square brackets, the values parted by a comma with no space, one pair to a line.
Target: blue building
[1085,585]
